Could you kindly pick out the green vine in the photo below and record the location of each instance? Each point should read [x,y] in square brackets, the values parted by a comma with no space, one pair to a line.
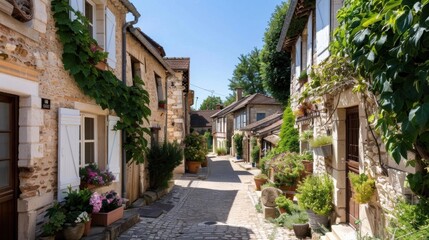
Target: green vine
[79,57]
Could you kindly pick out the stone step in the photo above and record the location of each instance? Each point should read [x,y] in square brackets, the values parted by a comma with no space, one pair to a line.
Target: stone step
[331,236]
[344,232]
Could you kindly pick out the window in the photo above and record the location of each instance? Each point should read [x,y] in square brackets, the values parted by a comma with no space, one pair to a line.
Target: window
[159,90]
[260,116]
[88,140]
[135,68]
[90,15]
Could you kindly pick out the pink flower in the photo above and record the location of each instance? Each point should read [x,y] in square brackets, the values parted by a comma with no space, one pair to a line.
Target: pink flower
[96,202]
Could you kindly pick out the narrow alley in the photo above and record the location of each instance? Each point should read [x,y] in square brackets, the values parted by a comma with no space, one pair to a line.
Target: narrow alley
[219,207]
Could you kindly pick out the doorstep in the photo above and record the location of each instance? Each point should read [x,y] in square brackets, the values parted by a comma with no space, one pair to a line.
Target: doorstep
[131,217]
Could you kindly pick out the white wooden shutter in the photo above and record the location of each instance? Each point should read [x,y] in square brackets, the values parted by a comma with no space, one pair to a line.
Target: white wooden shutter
[111,38]
[68,150]
[77,5]
[114,148]
[309,42]
[298,57]
[323,17]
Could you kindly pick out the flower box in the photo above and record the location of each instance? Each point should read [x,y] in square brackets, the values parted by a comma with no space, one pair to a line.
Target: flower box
[324,151]
[105,219]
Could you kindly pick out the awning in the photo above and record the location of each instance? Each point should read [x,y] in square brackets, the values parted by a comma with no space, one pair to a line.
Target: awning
[274,139]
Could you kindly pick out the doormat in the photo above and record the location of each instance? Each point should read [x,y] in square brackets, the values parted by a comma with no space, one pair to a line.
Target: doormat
[155,210]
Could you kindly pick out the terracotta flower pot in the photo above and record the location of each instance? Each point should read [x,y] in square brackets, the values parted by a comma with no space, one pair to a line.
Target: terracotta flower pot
[87,227]
[101,66]
[105,219]
[289,191]
[259,182]
[193,166]
[282,210]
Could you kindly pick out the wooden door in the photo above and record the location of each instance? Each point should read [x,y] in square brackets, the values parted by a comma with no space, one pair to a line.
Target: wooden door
[8,165]
[352,162]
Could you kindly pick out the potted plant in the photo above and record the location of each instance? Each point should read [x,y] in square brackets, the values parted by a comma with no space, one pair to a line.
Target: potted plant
[91,176]
[363,186]
[255,155]
[161,104]
[195,151]
[56,219]
[99,57]
[284,204]
[306,135]
[298,221]
[287,168]
[238,141]
[303,77]
[260,180]
[322,145]
[307,161]
[107,208]
[315,195]
[78,209]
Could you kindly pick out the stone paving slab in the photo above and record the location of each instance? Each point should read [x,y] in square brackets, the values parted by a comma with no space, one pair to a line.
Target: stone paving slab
[219,207]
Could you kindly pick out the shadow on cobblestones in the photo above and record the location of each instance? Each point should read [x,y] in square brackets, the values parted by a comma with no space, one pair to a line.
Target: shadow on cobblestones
[222,171]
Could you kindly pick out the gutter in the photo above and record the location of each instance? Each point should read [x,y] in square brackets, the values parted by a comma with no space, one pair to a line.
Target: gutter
[131,8]
[286,24]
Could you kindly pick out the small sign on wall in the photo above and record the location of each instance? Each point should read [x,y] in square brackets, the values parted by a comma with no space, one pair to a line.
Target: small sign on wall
[46,103]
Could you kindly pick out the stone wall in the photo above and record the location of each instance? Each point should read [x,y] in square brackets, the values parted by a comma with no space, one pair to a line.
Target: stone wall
[34,50]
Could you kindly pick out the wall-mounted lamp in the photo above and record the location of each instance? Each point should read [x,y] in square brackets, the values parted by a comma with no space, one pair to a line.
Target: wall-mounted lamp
[3,55]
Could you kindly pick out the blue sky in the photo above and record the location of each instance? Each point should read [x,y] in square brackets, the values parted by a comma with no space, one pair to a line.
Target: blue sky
[213,33]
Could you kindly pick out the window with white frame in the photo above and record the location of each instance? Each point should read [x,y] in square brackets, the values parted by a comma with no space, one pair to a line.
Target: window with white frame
[90,15]
[88,140]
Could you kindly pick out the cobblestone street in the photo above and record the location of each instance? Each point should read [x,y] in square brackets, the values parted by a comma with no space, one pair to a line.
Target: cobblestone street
[219,207]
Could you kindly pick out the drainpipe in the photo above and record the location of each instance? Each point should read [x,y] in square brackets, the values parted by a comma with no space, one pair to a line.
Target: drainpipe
[136,15]
[166,104]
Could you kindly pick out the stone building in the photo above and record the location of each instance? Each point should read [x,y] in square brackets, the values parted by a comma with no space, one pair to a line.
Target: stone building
[343,115]
[42,110]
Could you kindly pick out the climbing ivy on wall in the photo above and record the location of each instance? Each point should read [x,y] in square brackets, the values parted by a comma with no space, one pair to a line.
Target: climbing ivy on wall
[79,56]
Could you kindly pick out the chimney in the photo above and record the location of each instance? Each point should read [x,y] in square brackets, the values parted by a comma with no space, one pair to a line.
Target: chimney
[219,106]
[238,94]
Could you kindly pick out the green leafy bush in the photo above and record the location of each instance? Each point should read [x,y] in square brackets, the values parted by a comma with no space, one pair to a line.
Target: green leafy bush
[306,135]
[238,141]
[363,186]
[288,220]
[285,203]
[221,151]
[261,176]
[287,169]
[56,220]
[195,147]
[316,194]
[163,159]
[320,141]
[410,221]
[288,133]
[255,153]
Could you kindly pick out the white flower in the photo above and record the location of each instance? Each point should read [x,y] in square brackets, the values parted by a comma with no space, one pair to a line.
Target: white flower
[83,217]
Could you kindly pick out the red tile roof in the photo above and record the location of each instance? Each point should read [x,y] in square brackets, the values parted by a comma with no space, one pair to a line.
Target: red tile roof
[179,63]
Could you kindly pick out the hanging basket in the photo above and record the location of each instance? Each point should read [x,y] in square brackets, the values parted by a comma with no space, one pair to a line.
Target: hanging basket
[324,151]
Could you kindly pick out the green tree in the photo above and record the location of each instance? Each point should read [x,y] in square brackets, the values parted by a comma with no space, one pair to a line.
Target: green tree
[210,103]
[275,66]
[247,74]
[288,133]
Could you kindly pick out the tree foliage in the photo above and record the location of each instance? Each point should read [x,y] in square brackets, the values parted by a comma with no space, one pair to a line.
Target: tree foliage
[247,74]
[275,66]
[210,103]
[388,43]
[288,133]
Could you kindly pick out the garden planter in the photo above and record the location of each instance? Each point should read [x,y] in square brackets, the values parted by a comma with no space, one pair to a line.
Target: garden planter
[289,191]
[87,228]
[259,182]
[316,220]
[308,168]
[301,230]
[193,166]
[105,219]
[74,232]
[324,151]
[101,66]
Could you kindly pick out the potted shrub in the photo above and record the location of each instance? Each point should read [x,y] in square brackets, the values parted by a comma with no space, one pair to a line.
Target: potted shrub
[91,176]
[307,161]
[162,160]
[298,221]
[284,204]
[315,195]
[238,141]
[77,207]
[56,219]
[161,104]
[303,77]
[363,186]
[255,155]
[322,145]
[287,168]
[260,180]
[195,151]
[107,208]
